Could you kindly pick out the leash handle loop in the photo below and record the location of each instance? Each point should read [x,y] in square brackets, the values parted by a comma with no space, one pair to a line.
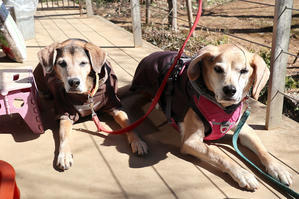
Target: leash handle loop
[235,144]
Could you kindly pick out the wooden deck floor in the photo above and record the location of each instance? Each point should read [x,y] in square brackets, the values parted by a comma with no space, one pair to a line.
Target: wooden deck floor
[103,166]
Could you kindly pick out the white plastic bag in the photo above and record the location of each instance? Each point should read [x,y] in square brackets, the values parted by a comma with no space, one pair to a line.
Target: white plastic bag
[24,13]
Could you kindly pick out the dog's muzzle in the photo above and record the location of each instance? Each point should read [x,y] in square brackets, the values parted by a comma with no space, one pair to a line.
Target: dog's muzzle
[74,85]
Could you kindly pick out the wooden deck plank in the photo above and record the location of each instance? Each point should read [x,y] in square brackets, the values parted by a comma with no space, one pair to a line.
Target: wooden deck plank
[53,28]
[32,157]
[230,188]
[65,29]
[135,180]
[116,38]
[42,36]
[90,34]
[102,28]
[69,30]
[282,143]
[183,177]
[124,78]
[123,60]
[147,48]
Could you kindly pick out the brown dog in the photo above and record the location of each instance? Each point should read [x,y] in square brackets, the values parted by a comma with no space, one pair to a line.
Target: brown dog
[217,81]
[67,72]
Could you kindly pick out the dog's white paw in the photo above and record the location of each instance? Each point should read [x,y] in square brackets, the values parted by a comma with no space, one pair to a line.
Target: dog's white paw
[245,179]
[64,160]
[279,172]
[139,147]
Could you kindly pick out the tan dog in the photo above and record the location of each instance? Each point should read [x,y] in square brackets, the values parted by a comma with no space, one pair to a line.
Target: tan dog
[227,72]
[67,73]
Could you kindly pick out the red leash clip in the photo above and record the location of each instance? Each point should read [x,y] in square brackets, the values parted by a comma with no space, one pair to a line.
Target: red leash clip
[96,120]
[94,115]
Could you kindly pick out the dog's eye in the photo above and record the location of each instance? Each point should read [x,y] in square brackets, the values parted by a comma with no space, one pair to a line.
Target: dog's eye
[83,63]
[62,64]
[244,71]
[218,69]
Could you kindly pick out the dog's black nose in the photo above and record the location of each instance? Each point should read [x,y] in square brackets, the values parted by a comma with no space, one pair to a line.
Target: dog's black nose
[74,82]
[229,90]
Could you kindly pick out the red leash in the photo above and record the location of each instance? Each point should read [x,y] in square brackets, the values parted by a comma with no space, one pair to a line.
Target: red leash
[160,90]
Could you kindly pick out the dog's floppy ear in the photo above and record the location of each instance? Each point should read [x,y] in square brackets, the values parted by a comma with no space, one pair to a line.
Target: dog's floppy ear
[261,74]
[97,56]
[209,53]
[47,57]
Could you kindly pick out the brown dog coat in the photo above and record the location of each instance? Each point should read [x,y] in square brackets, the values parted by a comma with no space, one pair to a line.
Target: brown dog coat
[71,105]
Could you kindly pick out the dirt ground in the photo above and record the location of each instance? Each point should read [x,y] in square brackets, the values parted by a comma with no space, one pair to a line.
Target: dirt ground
[245,22]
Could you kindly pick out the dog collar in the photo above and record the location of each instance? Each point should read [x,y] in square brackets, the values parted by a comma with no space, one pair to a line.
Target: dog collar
[201,90]
[99,82]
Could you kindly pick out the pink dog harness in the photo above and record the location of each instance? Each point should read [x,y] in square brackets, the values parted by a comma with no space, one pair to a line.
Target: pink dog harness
[219,121]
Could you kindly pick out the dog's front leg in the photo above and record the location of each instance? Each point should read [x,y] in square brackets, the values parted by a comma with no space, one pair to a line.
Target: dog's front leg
[249,139]
[137,145]
[192,143]
[65,156]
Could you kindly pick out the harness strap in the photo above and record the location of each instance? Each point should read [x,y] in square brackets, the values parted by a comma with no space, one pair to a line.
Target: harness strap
[207,126]
[269,177]
[169,89]
[168,95]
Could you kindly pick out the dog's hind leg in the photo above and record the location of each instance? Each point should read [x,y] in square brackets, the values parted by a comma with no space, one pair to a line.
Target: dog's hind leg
[65,156]
[137,145]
